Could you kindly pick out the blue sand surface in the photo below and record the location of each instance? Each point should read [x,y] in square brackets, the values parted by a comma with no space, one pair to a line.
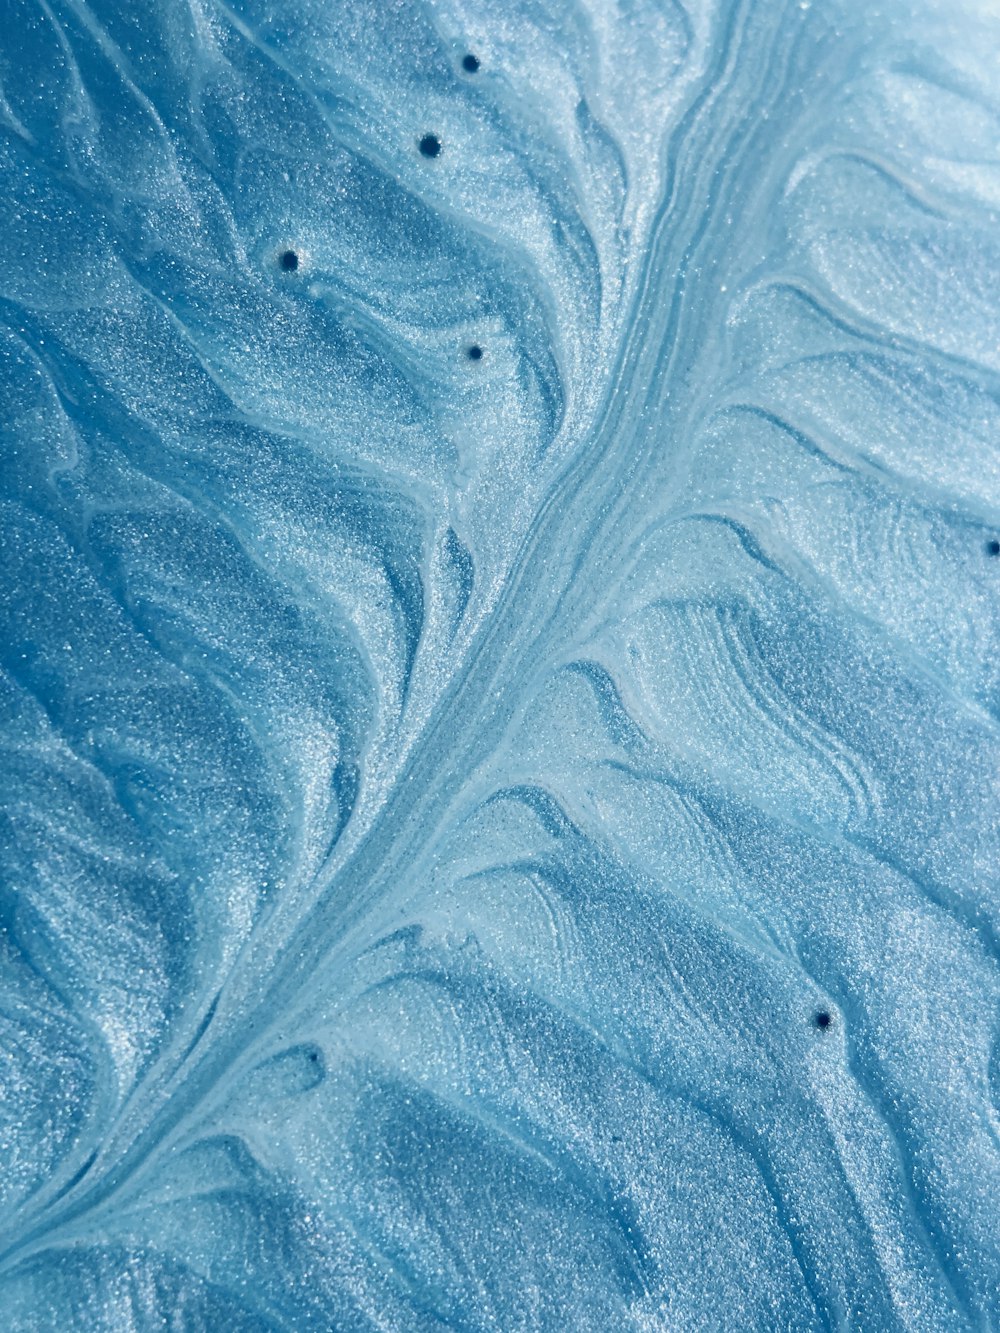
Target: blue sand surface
[500,694]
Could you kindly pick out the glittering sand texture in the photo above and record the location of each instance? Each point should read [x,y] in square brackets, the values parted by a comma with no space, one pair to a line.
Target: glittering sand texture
[500,694]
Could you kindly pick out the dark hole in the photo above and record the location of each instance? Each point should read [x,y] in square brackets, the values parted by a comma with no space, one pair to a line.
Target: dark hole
[289,261]
[475,352]
[470,63]
[314,1057]
[993,547]
[822,1019]
[430,145]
